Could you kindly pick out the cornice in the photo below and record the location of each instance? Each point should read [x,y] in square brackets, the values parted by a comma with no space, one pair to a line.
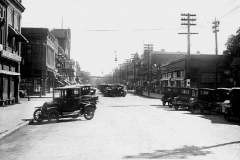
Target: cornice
[17,4]
[4,2]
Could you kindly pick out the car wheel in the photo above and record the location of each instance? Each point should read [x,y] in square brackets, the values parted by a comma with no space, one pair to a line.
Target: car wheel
[53,116]
[176,107]
[38,115]
[164,103]
[228,116]
[169,104]
[89,113]
[192,109]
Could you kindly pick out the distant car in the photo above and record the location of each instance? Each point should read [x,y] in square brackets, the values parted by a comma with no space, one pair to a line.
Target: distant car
[22,93]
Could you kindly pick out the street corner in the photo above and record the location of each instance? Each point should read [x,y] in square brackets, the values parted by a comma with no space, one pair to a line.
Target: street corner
[16,128]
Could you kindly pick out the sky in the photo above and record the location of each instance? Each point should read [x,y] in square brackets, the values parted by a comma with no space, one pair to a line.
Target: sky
[103,29]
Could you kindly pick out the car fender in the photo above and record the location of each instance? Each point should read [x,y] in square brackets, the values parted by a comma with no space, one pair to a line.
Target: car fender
[89,105]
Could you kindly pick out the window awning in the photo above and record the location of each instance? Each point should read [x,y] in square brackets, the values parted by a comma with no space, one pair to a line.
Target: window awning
[12,31]
[21,38]
[16,34]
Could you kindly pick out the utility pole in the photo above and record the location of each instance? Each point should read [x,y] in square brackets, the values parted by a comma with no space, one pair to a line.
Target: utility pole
[188,23]
[148,48]
[215,30]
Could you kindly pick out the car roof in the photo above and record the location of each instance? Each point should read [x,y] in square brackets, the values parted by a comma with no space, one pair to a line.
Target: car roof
[236,88]
[224,89]
[211,89]
[75,86]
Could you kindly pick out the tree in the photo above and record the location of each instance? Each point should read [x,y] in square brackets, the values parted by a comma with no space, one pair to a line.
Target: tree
[232,60]
[233,49]
[85,77]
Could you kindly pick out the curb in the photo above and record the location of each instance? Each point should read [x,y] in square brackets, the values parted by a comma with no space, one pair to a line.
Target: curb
[11,131]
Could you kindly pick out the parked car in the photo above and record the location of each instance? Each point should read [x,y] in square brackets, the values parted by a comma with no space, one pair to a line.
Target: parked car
[115,91]
[206,101]
[231,107]
[68,101]
[138,90]
[222,94]
[168,95]
[184,98]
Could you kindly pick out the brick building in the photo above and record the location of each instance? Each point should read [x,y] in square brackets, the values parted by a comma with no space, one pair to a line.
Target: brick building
[10,50]
[202,69]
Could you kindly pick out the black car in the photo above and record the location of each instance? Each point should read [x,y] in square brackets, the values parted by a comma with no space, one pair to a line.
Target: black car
[68,101]
[231,106]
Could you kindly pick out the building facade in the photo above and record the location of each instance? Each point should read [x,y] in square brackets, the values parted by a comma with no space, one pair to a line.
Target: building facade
[10,50]
[202,71]
[46,64]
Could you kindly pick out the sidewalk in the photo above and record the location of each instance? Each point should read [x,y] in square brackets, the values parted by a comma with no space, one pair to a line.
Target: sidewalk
[145,93]
[13,117]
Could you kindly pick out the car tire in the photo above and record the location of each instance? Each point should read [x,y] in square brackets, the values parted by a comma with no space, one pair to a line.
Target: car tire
[53,116]
[176,107]
[38,115]
[169,104]
[192,109]
[164,103]
[89,113]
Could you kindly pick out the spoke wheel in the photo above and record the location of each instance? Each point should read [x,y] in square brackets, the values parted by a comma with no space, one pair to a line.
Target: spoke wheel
[89,113]
[53,116]
[38,115]
[169,104]
[176,107]
[164,103]
[192,109]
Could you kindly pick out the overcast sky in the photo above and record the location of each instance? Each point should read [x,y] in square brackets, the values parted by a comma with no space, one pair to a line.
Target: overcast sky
[101,27]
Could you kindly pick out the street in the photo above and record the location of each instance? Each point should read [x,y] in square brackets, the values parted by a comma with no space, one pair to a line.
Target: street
[131,127]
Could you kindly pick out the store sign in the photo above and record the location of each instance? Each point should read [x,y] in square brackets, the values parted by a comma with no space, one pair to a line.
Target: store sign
[12,56]
[210,78]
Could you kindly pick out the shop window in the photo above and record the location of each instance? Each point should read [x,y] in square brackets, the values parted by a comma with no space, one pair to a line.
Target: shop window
[12,88]
[37,85]
[5,85]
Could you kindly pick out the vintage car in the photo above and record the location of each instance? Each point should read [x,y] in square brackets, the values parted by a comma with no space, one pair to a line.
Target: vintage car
[102,87]
[138,90]
[231,107]
[115,91]
[168,95]
[68,101]
[184,98]
[222,94]
[206,101]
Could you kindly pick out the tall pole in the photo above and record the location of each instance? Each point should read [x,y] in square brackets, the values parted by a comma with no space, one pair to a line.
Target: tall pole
[215,30]
[148,47]
[188,19]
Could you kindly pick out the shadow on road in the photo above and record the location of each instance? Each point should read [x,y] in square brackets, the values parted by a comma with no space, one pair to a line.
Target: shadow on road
[127,106]
[60,121]
[178,153]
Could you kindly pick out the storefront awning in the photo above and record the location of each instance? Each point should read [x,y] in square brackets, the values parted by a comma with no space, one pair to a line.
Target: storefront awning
[9,73]
[67,82]
[61,83]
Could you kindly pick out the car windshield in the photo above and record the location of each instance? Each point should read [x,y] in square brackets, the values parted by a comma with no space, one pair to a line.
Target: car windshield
[65,93]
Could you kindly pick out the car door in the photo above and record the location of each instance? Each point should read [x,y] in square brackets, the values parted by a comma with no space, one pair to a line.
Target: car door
[70,100]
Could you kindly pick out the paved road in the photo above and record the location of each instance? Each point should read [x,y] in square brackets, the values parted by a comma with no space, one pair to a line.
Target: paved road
[128,127]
